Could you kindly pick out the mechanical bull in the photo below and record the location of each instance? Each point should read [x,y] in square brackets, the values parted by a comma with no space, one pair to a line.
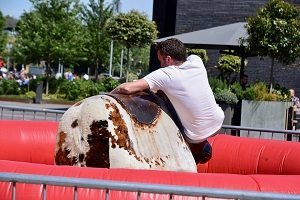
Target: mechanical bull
[122,131]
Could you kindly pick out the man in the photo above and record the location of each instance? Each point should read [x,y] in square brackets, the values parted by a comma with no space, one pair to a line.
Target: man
[244,81]
[184,81]
[294,98]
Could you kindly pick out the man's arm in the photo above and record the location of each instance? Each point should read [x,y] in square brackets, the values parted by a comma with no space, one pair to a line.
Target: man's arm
[131,87]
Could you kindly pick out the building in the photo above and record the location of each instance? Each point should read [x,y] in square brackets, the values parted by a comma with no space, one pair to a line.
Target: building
[181,16]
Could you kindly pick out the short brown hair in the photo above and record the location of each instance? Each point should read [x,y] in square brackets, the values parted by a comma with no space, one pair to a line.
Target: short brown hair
[173,48]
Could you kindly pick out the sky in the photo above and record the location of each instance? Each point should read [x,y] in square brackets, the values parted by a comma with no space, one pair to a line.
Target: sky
[16,7]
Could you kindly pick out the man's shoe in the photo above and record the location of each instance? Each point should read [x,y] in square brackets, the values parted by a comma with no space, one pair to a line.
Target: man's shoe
[202,152]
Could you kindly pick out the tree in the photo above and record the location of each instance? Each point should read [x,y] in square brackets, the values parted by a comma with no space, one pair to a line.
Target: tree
[116,6]
[132,29]
[95,17]
[140,60]
[228,64]
[2,35]
[275,32]
[51,32]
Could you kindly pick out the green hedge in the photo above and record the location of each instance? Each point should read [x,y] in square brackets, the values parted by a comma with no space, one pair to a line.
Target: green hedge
[60,88]
[230,94]
[9,87]
[79,89]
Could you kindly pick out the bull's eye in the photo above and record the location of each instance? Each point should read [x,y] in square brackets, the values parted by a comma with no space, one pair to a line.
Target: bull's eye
[82,139]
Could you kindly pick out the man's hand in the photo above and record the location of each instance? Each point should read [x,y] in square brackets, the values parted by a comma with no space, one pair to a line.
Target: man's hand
[131,87]
[121,89]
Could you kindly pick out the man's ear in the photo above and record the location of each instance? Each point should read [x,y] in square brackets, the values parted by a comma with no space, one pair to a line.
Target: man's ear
[169,60]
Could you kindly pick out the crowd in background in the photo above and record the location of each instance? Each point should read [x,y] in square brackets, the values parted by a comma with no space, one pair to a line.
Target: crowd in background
[21,77]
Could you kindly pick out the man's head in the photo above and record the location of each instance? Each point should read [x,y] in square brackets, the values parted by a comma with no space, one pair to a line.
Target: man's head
[171,52]
[244,80]
[292,92]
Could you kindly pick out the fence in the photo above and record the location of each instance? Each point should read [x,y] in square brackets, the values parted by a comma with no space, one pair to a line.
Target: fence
[23,113]
[287,135]
[140,188]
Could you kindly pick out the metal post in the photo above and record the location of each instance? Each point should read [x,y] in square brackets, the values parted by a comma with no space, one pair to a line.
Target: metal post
[111,56]
[59,70]
[13,193]
[44,196]
[121,62]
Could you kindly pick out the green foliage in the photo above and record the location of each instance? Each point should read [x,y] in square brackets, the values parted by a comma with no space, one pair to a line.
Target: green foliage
[226,96]
[275,31]
[260,92]
[30,94]
[76,89]
[228,64]
[231,94]
[108,84]
[140,60]
[2,36]
[51,31]
[70,90]
[53,83]
[222,91]
[217,84]
[95,17]
[34,82]
[238,90]
[132,29]
[199,52]
[250,94]
[283,92]
[9,87]
[79,89]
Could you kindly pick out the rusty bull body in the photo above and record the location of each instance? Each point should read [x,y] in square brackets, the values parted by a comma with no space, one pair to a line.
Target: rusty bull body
[117,131]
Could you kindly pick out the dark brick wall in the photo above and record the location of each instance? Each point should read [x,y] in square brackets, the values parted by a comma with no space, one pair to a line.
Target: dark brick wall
[200,14]
[194,15]
[165,16]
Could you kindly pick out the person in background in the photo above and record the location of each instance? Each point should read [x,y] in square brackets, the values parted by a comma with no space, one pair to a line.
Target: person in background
[236,118]
[294,98]
[85,77]
[184,81]
[244,81]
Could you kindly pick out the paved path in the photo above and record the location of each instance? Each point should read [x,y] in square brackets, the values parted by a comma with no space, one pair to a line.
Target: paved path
[29,111]
[33,105]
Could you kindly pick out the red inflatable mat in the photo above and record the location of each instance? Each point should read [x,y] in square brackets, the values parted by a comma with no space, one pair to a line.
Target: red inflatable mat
[28,141]
[240,155]
[267,183]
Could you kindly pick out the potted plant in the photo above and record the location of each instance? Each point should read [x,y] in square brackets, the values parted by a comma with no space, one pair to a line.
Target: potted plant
[264,109]
[224,97]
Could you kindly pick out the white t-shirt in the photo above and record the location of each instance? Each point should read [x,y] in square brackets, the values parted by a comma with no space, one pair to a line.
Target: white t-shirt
[188,89]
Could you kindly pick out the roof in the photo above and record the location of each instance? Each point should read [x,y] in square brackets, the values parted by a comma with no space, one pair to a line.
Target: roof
[220,37]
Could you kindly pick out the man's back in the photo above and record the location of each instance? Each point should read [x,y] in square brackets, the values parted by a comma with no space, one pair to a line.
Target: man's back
[188,89]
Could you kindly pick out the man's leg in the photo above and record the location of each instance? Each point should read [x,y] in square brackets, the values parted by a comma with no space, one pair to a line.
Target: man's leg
[202,151]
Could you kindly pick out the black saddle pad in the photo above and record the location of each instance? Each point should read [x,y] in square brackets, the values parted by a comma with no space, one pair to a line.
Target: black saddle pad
[142,107]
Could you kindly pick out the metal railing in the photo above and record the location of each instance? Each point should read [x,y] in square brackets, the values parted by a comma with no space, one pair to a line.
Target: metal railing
[287,135]
[23,113]
[139,188]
